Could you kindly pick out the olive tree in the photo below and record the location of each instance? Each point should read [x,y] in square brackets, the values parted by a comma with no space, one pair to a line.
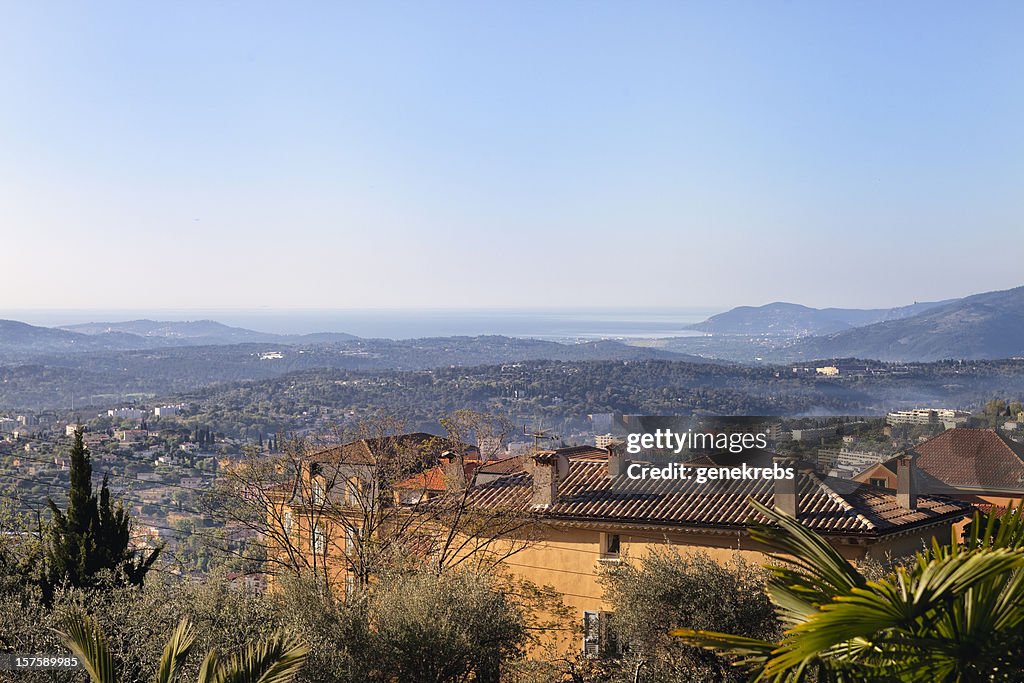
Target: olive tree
[668,589]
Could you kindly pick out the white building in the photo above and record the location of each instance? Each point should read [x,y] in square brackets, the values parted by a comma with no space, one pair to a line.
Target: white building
[814,433]
[490,447]
[948,417]
[125,413]
[166,411]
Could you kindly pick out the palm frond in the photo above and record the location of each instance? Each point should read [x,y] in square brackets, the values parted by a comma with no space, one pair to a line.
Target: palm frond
[827,571]
[208,669]
[277,659]
[896,608]
[175,651]
[1005,530]
[751,650]
[82,636]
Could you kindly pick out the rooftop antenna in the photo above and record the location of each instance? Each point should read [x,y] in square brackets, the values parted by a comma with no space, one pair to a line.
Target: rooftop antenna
[539,435]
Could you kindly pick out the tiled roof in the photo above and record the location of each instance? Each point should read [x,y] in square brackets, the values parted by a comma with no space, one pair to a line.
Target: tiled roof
[505,465]
[584,452]
[427,480]
[517,462]
[971,459]
[366,451]
[828,505]
[433,479]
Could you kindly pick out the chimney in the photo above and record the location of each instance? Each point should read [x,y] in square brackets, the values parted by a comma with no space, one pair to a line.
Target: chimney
[546,475]
[906,495]
[618,463]
[785,497]
[454,471]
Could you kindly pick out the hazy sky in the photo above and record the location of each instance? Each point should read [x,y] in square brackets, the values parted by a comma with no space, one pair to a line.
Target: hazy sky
[517,154]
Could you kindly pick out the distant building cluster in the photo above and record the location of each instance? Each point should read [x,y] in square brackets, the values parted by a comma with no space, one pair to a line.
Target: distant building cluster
[130,413]
[167,411]
[844,462]
[814,433]
[125,413]
[947,417]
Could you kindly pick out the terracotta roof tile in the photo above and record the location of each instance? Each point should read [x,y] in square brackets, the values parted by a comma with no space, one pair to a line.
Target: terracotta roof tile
[366,451]
[505,465]
[433,479]
[828,505]
[517,462]
[971,459]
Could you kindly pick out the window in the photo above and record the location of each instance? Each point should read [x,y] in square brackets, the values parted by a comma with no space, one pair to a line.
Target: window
[318,540]
[351,540]
[318,491]
[350,584]
[591,634]
[352,492]
[288,522]
[880,482]
[600,639]
[610,544]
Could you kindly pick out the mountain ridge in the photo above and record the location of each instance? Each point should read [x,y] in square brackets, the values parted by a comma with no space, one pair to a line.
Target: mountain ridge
[984,326]
[786,319]
[202,332]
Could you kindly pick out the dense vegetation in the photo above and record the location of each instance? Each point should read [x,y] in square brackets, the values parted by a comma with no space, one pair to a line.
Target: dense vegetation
[552,391]
[953,613]
[92,536]
[54,380]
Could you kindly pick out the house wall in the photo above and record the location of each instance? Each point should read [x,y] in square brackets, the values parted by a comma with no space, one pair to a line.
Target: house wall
[569,560]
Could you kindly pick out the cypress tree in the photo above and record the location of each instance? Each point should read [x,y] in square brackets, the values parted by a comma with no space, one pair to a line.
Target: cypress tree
[93,534]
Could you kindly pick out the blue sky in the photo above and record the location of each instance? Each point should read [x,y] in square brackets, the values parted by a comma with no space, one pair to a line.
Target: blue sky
[529,154]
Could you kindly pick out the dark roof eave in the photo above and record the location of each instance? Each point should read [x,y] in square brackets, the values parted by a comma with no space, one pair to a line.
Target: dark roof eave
[705,527]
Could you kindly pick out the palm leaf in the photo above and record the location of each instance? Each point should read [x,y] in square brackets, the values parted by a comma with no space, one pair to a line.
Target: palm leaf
[176,650]
[277,659]
[902,605]
[825,568]
[750,650]
[82,637]
[208,669]
[816,572]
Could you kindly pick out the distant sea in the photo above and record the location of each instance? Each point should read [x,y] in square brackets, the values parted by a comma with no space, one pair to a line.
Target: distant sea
[558,325]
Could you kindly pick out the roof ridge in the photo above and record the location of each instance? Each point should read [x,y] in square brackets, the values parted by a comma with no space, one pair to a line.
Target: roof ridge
[838,498]
[1014,447]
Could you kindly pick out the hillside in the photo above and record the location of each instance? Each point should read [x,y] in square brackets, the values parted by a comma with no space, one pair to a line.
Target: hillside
[42,380]
[551,391]
[781,319]
[982,326]
[202,332]
[19,337]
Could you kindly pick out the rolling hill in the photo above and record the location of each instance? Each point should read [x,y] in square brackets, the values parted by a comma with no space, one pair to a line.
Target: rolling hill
[982,326]
[19,337]
[202,332]
[781,319]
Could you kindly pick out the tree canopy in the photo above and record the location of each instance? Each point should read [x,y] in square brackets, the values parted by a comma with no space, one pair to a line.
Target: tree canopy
[93,535]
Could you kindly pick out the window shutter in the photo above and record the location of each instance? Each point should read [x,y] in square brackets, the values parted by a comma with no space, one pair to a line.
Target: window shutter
[591,634]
